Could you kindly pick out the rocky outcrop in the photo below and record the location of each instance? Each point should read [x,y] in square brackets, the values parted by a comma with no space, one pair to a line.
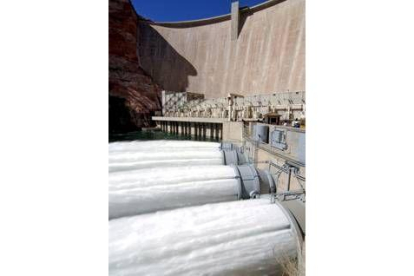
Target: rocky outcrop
[130,87]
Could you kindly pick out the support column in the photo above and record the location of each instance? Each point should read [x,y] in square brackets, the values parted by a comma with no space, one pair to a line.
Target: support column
[220,132]
[180,128]
[208,130]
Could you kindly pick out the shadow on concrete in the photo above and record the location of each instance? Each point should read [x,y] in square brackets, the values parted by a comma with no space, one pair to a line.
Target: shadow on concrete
[245,12]
[158,58]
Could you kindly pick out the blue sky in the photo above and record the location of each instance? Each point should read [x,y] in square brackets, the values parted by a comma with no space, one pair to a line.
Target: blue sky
[178,10]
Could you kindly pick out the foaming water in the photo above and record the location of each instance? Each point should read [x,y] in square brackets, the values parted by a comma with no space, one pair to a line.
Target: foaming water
[132,156]
[148,190]
[126,166]
[161,145]
[232,238]
[124,156]
[168,175]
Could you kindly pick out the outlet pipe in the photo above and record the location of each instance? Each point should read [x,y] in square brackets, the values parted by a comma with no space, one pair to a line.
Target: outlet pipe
[145,155]
[163,188]
[249,237]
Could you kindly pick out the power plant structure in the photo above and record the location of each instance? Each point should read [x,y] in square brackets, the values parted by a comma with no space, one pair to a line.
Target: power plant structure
[234,205]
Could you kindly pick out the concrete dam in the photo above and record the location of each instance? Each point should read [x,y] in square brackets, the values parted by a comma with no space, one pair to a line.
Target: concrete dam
[254,50]
[260,50]
[234,205]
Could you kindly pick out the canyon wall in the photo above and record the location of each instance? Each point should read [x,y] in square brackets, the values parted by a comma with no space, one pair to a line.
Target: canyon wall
[199,56]
[133,94]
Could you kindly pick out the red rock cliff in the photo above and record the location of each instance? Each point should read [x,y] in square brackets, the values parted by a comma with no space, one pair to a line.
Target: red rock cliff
[132,92]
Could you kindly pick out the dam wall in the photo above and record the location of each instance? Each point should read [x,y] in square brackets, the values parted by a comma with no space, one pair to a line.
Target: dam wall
[266,56]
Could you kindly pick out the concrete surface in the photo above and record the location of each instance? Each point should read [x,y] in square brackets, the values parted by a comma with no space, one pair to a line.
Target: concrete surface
[233,132]
[267,57]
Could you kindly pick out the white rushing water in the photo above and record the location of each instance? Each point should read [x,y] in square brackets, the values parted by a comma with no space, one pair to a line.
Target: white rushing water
[120,157]
[148,190]
[161,145]
[234,238]
[124,156]
[147,164]
[168,175]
